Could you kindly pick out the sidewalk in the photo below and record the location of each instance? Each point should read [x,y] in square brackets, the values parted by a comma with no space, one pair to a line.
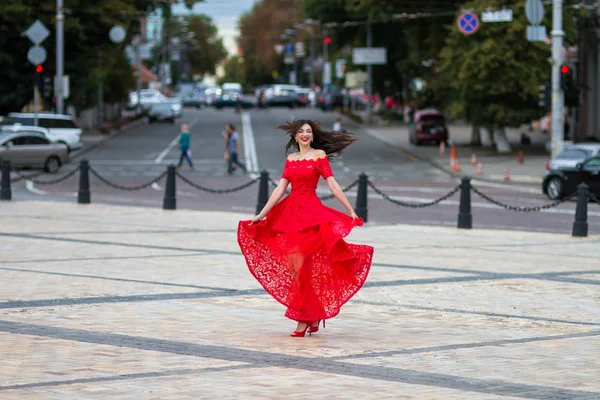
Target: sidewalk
[106,302]
[494,165]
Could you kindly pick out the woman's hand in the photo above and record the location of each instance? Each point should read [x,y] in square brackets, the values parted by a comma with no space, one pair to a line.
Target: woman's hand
[353,215]
[256,220]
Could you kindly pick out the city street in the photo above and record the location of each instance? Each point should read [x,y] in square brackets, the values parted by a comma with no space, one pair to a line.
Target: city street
[143,152]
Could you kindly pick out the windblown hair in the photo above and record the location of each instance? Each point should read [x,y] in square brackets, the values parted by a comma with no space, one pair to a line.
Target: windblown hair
[331,142]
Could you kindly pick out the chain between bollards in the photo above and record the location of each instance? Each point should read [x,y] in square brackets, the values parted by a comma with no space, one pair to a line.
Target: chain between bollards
[263,191]
[465,218]
[5,190]
[83,194]
[170,200]
[361,197]
[580,225]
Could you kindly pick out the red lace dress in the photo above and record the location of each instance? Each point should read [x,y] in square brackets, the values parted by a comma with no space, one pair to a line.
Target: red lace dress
[298,253]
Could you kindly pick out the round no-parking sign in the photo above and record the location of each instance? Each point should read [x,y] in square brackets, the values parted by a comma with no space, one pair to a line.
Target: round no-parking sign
[468,23]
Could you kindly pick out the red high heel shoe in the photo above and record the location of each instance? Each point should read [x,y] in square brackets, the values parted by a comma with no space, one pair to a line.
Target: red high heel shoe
[301,333]
[314,329]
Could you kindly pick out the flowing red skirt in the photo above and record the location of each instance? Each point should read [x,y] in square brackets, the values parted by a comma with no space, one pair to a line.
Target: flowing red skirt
[299,257]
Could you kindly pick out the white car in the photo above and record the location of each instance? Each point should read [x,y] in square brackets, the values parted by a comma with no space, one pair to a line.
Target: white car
[148,97]
[60,128]
[573,154]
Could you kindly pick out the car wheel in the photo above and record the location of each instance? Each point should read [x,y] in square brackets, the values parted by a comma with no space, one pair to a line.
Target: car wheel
[52,165]
[555,190]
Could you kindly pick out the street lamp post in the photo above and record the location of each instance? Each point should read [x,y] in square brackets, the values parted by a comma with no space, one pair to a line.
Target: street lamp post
[311,35]
[59,90]
[292,35]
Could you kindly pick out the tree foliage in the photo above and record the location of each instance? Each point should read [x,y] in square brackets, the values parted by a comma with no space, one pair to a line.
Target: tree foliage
[494,75]
[260,31]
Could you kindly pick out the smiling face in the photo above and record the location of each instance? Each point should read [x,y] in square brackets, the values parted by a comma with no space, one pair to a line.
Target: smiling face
[304,135]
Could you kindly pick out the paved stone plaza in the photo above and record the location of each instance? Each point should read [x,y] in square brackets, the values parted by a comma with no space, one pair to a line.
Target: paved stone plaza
[106,302]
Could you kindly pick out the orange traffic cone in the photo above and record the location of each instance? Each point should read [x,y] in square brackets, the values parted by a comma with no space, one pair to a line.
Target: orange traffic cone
[521,158]
[457,166]
[442,148]
[479,169]
[473,160]
[453,152]
[506,175]
[452,163]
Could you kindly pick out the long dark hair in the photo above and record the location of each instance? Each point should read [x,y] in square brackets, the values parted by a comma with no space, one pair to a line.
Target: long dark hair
[331,142]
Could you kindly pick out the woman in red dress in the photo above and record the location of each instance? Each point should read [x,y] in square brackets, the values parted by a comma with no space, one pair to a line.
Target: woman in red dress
[295,247]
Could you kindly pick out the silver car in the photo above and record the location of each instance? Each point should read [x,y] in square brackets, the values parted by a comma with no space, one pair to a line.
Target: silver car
[572,155]
[32,150]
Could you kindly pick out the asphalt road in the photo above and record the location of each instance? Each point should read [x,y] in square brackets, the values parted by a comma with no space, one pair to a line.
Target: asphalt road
[143,152]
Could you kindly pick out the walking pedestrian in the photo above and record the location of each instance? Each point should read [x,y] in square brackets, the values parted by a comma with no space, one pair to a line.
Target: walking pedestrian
[184,146]
[234,139]
[295,247]
[337,127]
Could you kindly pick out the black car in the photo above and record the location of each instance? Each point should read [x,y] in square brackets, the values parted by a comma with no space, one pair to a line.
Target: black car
[232,99]
[161,112]
[563,181]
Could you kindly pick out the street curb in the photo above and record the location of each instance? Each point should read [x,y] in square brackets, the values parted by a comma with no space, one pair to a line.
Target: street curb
[106,138]
[374,133]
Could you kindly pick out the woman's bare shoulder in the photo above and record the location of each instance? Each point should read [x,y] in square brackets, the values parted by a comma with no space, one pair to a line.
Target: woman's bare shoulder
[320,153]
[293,156]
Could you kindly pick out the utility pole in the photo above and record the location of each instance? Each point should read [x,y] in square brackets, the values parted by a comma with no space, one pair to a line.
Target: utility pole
[558,101]
[369,75]
[138,64]
[60,56]
[312,57]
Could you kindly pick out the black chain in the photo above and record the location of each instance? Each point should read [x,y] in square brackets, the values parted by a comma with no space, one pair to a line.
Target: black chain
[54,181]
[412,205]
[127,188]
[20,177]
[273,183]
[593,198]
[519,208]
[331,196]
[217,191]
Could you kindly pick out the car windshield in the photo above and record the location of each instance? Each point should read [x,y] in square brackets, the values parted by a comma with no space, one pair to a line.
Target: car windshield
[574,154]
[10,121]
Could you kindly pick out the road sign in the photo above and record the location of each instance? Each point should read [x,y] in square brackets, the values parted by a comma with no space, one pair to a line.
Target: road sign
[369,55]
[468,23]
[36,55]
[299,48]
[534,10]
[505,15]
[327,73]
[339,67]
[117,34]
[37,32]
[289,48]
[536,33]
[279,48]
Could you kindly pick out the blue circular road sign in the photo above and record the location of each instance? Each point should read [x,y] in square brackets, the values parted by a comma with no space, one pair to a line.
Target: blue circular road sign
[468,23]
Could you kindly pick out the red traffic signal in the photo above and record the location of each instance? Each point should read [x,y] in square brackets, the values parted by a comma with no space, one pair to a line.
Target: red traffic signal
[327,40]
[39,69]
[565,69]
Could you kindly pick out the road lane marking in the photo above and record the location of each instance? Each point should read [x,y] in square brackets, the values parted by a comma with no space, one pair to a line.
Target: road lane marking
[29,185]
[250,146]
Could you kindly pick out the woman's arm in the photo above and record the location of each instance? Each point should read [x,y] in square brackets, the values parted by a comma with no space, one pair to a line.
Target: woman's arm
[275,197]
[336,190]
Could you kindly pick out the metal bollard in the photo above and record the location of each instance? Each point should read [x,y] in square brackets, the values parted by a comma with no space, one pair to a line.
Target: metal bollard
[361,197]
[170,201]
[263,191]
[83,195]
[465,218]
[580,226]
[5,191]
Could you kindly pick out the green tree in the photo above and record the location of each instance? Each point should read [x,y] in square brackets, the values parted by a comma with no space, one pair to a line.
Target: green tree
[234,70]
[493,76]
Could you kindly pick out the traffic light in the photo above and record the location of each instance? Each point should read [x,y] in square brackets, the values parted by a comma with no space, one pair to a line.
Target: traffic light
[39,69]
[545,97]
[46,89]
[567,84]
[327,40]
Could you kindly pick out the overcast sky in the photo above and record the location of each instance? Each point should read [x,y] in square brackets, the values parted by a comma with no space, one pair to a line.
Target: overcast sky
[224,13]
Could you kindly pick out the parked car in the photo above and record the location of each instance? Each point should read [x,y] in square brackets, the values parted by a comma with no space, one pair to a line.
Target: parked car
[148,97]
[302,96]
[336,100]
[176,106]
[32,150]
[563,181]
[161,112]
[61,128]
[429,126]
[572,155]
